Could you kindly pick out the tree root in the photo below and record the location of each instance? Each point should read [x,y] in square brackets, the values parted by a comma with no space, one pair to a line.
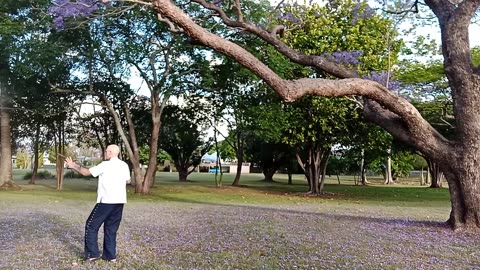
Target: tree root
[10,185]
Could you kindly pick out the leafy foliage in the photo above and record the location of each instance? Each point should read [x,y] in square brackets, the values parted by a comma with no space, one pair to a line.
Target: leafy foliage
[182,139]
[347,30]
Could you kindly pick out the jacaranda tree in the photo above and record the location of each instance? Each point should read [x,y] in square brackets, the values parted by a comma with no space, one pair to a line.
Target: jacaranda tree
[460,157]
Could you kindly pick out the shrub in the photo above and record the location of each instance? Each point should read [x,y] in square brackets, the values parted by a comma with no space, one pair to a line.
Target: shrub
[72,174]
[40,175]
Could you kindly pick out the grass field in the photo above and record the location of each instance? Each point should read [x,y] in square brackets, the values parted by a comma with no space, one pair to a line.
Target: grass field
[260,225]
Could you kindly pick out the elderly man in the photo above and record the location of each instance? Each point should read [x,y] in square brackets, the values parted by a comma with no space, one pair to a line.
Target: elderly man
[113,175]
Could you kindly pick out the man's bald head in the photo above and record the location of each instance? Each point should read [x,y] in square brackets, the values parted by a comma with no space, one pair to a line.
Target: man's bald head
[112,151]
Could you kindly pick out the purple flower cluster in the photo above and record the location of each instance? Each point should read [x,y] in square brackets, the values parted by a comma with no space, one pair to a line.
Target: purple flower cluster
[288,17]
[361,11]
[218,3]
[344,57]
[290,11]
[384,77]
[64,9]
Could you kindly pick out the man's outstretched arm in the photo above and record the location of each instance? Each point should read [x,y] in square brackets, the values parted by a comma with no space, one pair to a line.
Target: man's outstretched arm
[76,167]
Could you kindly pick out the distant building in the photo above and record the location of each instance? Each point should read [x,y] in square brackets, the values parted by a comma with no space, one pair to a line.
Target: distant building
[45,156]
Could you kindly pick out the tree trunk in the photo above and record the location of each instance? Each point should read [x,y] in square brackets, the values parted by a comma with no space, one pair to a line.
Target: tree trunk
[182,171]
[219,171]
[323,167]
[36,143]
[219,175]
[305,164]
[60,154]
[429,177]
[364,177]
[363,170]
[6,179]
[464,197]
[59,171]
[138,175]
[312,166]
[422,178]
[236,181]
[218,161]
[152,158]
[388,171]
[436,173]
[268,174]
[315,169]
[138,172]
[291,167]
[131,146]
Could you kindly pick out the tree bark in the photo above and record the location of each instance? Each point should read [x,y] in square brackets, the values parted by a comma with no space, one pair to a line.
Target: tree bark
[152,158]
[142,184]
[363,169]
[429,177]
[313,164]
[388,170]
[436,174]
[464,198]
[6,179]
[59,170]
[323,167]
[422,178]
[36,142]
[182,173]
[133,152]
[218,161]
[268,174]
[239,152]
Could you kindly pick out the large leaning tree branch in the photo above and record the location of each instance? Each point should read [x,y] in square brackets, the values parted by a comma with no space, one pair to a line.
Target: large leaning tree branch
[317,62]
[421,132]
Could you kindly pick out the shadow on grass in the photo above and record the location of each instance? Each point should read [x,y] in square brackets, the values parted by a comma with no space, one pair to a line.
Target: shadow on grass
[360,192]
[395,222]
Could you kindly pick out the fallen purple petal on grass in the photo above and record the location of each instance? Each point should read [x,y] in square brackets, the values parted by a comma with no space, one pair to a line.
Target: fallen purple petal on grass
[208,236]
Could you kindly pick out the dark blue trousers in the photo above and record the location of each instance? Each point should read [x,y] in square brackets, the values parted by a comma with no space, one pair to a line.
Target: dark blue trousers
[110,216]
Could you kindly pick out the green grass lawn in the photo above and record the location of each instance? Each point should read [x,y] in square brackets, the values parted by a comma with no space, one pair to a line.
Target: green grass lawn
[260,225]
[201,189]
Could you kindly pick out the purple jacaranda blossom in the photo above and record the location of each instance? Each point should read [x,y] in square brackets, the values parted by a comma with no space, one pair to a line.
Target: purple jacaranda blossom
[344,57]
[288,17]
[361,11]
[384,77]
[64,9]
[218,3]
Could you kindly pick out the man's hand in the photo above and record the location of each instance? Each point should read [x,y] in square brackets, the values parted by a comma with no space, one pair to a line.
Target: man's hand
[70,163]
